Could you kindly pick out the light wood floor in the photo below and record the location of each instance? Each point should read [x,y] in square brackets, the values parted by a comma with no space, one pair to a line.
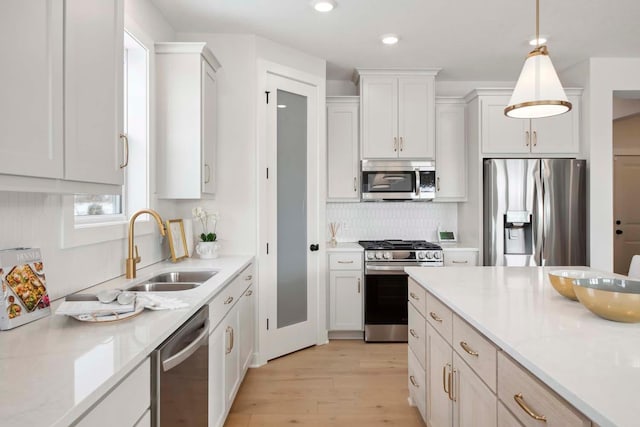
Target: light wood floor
[343,383]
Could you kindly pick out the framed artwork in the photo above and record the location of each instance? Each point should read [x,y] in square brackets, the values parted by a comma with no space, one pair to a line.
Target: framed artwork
[177,239]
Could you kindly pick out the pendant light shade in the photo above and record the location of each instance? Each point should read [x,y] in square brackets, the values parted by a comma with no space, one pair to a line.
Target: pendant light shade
[538,92]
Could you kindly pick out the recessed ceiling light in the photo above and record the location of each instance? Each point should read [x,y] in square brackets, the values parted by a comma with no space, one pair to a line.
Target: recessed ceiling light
[323,5]
[539,41]
[390,38]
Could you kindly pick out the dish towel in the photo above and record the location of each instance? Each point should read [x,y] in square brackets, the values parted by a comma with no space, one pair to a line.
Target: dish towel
[156,302]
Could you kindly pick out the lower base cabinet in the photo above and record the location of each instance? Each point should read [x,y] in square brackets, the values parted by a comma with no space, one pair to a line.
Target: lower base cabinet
[230,346]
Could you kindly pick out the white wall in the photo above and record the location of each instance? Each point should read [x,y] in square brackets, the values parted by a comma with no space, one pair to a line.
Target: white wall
[623,107]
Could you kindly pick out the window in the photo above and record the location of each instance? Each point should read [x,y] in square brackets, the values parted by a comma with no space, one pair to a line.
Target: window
[105,208]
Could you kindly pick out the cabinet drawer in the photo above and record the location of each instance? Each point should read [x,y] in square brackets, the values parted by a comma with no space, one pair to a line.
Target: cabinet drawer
[417,330]
[345,261]
[476,350]
[418,297]
[460,258]
[126,403]
[516,384]
[222,303]
[417,384]
[440,317]
[506,418]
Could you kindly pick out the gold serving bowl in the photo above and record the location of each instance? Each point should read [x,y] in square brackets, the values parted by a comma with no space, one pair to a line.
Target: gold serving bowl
[562,281]
[612,299]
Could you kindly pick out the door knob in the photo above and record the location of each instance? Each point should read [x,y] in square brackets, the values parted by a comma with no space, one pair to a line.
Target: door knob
[314,247]
[618,232]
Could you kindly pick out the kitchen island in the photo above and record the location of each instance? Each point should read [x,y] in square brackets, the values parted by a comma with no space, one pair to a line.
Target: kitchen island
[592,363]
[56,370]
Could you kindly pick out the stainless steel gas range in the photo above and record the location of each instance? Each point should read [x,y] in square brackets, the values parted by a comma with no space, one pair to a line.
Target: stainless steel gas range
[386,284]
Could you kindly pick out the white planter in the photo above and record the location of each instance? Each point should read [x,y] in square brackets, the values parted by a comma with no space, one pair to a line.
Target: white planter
[207,250]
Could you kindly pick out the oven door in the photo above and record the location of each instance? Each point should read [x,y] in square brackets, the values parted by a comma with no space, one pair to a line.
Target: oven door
[385,304]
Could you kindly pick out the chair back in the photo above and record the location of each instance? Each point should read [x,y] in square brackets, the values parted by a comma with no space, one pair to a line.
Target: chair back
[634,268]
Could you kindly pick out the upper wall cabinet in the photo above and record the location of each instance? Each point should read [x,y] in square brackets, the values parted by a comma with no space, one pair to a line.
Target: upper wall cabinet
[66,57]
[94,150]
[398,114]
[186,86]
[343,162]
[451,150]
[551,135]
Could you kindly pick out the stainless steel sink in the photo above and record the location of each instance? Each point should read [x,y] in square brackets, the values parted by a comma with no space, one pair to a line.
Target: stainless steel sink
[162,287]
[173,281]
[183,277]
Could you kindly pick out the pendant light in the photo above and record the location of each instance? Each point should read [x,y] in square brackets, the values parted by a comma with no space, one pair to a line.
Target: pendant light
[538,92]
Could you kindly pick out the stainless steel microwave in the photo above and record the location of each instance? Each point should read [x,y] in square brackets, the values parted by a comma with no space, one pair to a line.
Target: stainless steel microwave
[398,180]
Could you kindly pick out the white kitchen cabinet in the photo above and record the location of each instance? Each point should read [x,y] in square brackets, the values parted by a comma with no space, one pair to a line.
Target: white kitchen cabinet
[451,150]
[231,315]
[507,136]
[439,403]
[93,74]
[32,100]
[186,88]
[474,404]
[346,291]
[343,160]
[398,114]
[125,404]
[460,257]
[416,384]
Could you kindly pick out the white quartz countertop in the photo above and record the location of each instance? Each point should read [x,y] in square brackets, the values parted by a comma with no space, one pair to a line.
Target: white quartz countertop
[54,369]
[591,362]
[345,247]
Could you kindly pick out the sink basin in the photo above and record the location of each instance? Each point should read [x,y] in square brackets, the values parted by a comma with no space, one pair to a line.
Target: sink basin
[183,277]
[162,287]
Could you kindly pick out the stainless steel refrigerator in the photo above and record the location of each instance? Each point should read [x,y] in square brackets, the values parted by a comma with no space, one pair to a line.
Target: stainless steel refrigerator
[535,212]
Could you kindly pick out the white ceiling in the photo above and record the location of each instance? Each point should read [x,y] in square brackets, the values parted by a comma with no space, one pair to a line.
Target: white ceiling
[468,39]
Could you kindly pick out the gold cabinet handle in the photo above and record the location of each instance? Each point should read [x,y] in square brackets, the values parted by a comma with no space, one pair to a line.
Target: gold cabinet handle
[444,379]
[228,301]
[345,262]
[249,277]
[358,285]
[413,381]
[401,143]
[438,184]
[522,404]
[414,296]
[207,168]
[460,262]
[228,332]
[395,144]
[413,334]
[355,186]
[248,293]
[125,141]
[435,317]
[233,336]
[468,349]
[527,138]
[451,378]
[535,138]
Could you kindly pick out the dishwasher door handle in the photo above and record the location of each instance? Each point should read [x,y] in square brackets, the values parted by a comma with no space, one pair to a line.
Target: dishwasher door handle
[184,354]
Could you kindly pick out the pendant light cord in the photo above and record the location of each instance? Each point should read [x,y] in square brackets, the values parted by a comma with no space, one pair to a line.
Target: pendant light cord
[537,23]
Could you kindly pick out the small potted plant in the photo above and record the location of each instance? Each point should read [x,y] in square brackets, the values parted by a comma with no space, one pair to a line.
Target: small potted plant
[207,247]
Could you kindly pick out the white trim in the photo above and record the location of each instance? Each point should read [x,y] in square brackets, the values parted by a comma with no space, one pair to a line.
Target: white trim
[263,68]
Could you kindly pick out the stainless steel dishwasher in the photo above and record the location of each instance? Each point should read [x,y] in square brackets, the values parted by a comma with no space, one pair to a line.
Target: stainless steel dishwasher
[180,374]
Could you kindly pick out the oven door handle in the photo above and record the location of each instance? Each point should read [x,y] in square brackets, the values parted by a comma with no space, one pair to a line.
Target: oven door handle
[185,353]
[378,269]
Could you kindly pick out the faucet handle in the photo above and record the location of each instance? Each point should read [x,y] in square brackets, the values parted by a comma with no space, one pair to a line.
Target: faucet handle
[137,257]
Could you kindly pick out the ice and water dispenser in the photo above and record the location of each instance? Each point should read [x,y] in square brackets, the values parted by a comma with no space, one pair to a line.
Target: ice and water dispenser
[518,232]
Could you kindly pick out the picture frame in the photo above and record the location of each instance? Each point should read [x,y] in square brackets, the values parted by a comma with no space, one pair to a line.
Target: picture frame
[177,239]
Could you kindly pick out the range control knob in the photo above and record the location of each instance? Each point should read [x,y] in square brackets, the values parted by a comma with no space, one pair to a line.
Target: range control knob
[437,255]
[378,255]
[429,255]
[421,255]
[387,255]
[370,255]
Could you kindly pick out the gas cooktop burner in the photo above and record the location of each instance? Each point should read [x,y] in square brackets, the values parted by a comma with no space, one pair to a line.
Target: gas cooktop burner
[398,245]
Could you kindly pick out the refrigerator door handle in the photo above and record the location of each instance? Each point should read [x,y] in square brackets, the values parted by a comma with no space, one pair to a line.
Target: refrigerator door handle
[539,217]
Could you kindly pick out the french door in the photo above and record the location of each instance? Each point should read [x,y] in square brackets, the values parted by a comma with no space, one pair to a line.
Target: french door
[292,218]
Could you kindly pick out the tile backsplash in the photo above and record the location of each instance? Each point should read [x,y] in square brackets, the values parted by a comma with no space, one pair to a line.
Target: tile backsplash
[391,220]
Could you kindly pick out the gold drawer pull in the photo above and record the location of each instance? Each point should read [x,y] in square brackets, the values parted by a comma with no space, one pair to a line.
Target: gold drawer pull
[228,301]
[451,395]
[520,401]
[249,293]
[249,277]
[413,334]
[435,317]
[444,379]
[413,381]
[468,349]
[414,296]
[345,262]
[460,262]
